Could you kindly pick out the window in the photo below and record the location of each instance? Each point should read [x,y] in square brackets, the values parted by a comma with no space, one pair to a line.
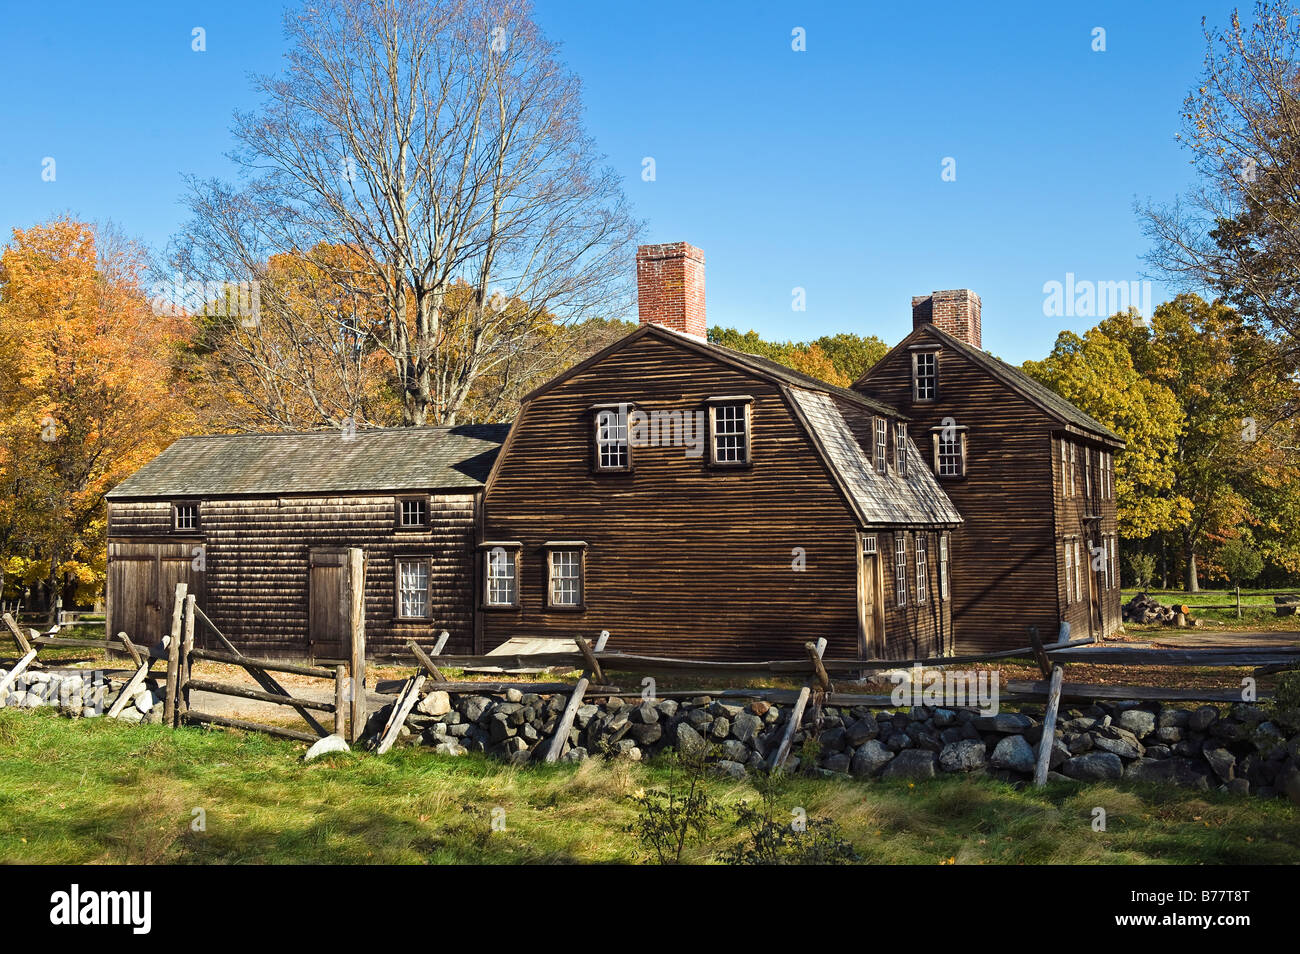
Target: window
[1078,574]
[1065,473]
[925,375]
[922,569]
[900,448]
[564,566]
[185,516]
[413,578]
[1073,465]
[882,445]
[950,452]
[412,512]
[730,424]
[501,574]
[1113,564]
[869,544]
[1069,573]
[612,450]
[943,566]
[900,569]
[1087,473]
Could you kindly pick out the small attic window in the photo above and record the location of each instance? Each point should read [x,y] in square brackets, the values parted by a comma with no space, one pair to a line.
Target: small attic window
[185,516]
[412,513]
[729,431]
[925,376]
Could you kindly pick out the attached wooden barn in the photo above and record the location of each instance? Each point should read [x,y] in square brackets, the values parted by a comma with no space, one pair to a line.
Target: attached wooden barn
[258,525]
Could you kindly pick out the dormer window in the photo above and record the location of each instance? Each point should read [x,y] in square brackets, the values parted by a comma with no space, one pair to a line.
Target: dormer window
[925,375]
[882,446]
[900,448]
[613,451]
[729,431]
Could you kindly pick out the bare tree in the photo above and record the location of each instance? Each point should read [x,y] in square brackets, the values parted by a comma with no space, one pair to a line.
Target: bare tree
[441,140]
[1237,233]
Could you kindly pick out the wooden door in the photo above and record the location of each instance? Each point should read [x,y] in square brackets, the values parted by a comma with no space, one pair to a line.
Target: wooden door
[142,578]
[328,610]
[871,610]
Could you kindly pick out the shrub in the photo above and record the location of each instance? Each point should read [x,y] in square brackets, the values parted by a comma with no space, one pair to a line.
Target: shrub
[669,820]
[775,837]
[1142,566]
[1240,562]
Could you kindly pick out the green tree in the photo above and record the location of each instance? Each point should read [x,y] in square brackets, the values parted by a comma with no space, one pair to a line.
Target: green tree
[1239,561]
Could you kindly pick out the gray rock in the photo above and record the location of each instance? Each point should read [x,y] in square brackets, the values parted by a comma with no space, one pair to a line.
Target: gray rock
[1013,753]
[1094,766]
[474,707]
[869,759]
[861,730]
[1223,762]
[837,762]
[968,755]
[944,718]
[449,748]
[1178,771]
[434,703]
[1202,718]
[330,743]
[689,742]
[645,714]
[1138,721]
[514,695]
[1005,722]
[575,754]
[1119,741]
[913,764]
[647,734]
[734,751]
[729,768]
[745,727]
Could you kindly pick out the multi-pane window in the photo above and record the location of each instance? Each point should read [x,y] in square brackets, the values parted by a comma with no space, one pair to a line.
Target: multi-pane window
[943,566]
[1073,465]
[1065,473]
[1087,473]
[412,512]
[612,451]
[413,588]
[900,448]
[187,516]
[502,577]
[900,569]
[882,445]
[869,544]
[564,567]
[730,433]
[1114,556]
[1078,574]
[948,444]
[922,568]
[925,375]
[1069,572]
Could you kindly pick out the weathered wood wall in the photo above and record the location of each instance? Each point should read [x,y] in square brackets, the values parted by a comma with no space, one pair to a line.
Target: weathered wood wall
[256,564]
[682,559]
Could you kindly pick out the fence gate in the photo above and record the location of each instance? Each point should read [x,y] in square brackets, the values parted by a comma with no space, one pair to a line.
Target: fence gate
[328,607]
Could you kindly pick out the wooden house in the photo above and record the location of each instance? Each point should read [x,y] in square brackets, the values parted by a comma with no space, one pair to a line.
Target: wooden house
[1031,474]
[698,501]
[258,525]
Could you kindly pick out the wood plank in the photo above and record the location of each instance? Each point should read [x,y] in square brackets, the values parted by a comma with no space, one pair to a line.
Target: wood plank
[131,651]
[243,692]
[19,668]
[589,658]
[187,648]
[24,647]
[134,683]
[357,642]
[796,715]
[819,671]
[561,737]
[340,704]
[272,665]
[174,656]
[1121,655]
[205,718]
[425,661]
[1086,691]
[1049,727]
[1040,654]
[401,709]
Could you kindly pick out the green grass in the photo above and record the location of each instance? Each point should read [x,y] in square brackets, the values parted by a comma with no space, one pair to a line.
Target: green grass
[95,791]
[1256,607]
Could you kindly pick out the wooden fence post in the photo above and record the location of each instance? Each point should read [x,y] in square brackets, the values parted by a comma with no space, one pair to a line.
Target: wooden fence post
[183,675]
[1238,601]
[340,704]
[357,630]
[1048,740]
[174,655]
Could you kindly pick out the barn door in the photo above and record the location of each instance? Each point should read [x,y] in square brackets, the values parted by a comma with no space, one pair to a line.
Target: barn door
[327,615]
[142,578]
[871,617]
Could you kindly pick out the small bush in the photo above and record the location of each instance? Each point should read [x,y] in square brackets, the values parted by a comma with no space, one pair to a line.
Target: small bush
[776,837]
[667,821]
[1143,567]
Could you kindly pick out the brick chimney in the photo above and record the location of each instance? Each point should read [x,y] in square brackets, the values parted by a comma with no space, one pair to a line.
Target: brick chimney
[670,287]
[956,311]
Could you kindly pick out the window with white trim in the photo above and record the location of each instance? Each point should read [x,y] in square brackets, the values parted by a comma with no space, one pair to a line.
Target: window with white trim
[1065,473]
[925,375]
[868,544]
[413,578]
[950,452]
[1073,465]
[1078,574]
[900,568]
[922,568]
[900,448]
[730,423]
[882,445]
[1087,473]
[1114,557]
[613,452]
[501,570]
[1069,572]
[564,577]
[943,566]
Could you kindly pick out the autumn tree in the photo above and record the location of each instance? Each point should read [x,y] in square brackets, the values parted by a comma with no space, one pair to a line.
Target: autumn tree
[87,397]
[442,142]
[836,359]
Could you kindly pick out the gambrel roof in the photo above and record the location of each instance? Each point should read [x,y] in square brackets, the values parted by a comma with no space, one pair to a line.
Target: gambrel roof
[320,462]
[879,499]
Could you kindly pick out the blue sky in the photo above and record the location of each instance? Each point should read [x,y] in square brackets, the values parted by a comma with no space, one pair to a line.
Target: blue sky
[818,169]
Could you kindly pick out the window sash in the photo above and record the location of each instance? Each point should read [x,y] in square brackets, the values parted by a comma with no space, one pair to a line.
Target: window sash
[413,589]
[900,448]
[922,568]
[613,451]
[187,516]
[943,567]
[900,569]
[950,456]
[1073,466]
[1069,566]
[1078,575]
[502,579]
[925,375]
[564,571]
[730,444]
[882,445]
[412,513]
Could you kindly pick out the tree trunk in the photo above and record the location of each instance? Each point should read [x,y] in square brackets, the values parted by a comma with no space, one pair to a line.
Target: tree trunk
[1164,562]
[1190,582]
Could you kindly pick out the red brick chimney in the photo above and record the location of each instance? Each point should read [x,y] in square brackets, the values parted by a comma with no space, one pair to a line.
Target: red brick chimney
[956,311]
[670,287]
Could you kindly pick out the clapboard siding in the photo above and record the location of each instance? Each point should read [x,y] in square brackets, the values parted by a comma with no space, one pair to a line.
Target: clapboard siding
[255,557]
[681,559]
[1007,559]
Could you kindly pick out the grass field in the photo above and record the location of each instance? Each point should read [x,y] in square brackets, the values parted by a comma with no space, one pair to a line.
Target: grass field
[1256,608]
[94,791]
